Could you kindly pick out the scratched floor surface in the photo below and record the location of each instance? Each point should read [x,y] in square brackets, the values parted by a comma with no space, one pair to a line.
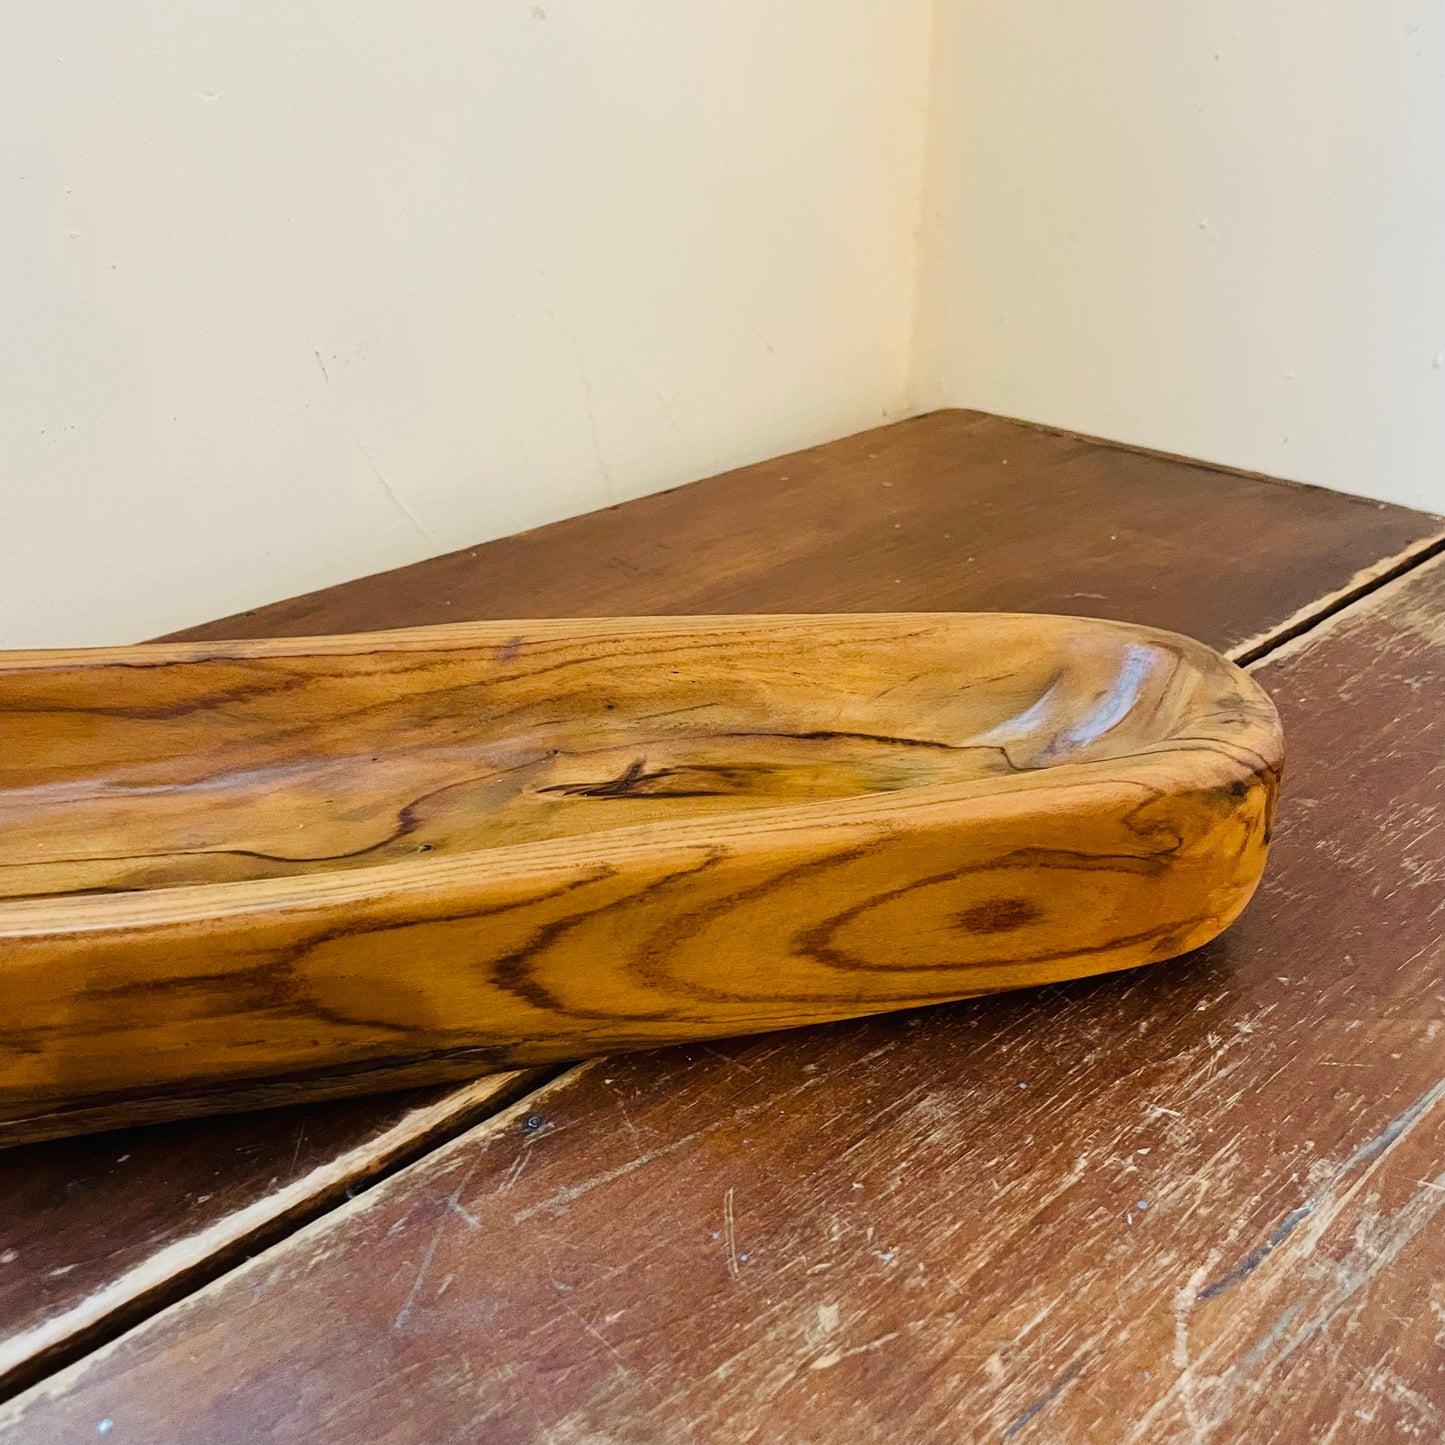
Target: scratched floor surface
[1192,1203]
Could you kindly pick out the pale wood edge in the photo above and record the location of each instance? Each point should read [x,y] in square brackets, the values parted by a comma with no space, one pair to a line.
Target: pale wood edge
[1354,612]
[1310,618]
[505,1113]
[185,1265]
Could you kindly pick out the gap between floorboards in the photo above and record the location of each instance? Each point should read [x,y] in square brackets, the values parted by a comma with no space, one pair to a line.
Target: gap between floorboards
[461,1110]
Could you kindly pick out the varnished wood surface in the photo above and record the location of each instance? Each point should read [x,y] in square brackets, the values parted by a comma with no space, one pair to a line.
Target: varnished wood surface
[957,511]
[913,502]
[1201,1202]
[509,843]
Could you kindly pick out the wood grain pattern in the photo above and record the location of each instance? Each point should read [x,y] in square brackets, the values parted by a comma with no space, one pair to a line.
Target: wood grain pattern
[955,510]
[1201,1202]
[639,831]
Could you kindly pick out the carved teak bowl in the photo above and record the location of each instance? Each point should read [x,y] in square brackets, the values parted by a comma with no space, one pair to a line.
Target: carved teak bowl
[251,872]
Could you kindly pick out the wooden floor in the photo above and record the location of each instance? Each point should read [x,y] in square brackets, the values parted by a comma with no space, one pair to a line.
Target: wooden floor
[1198,1202]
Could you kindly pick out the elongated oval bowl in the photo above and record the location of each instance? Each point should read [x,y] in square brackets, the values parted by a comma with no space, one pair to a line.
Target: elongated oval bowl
[254,872]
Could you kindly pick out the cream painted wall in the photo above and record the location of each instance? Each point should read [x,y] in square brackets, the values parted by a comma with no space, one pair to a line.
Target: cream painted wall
[1216,228]
[293,292]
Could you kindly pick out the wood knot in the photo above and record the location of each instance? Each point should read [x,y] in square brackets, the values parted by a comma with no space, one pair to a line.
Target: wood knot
[999,915]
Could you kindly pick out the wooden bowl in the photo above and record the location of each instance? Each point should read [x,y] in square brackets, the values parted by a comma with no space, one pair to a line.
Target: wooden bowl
[251,872]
